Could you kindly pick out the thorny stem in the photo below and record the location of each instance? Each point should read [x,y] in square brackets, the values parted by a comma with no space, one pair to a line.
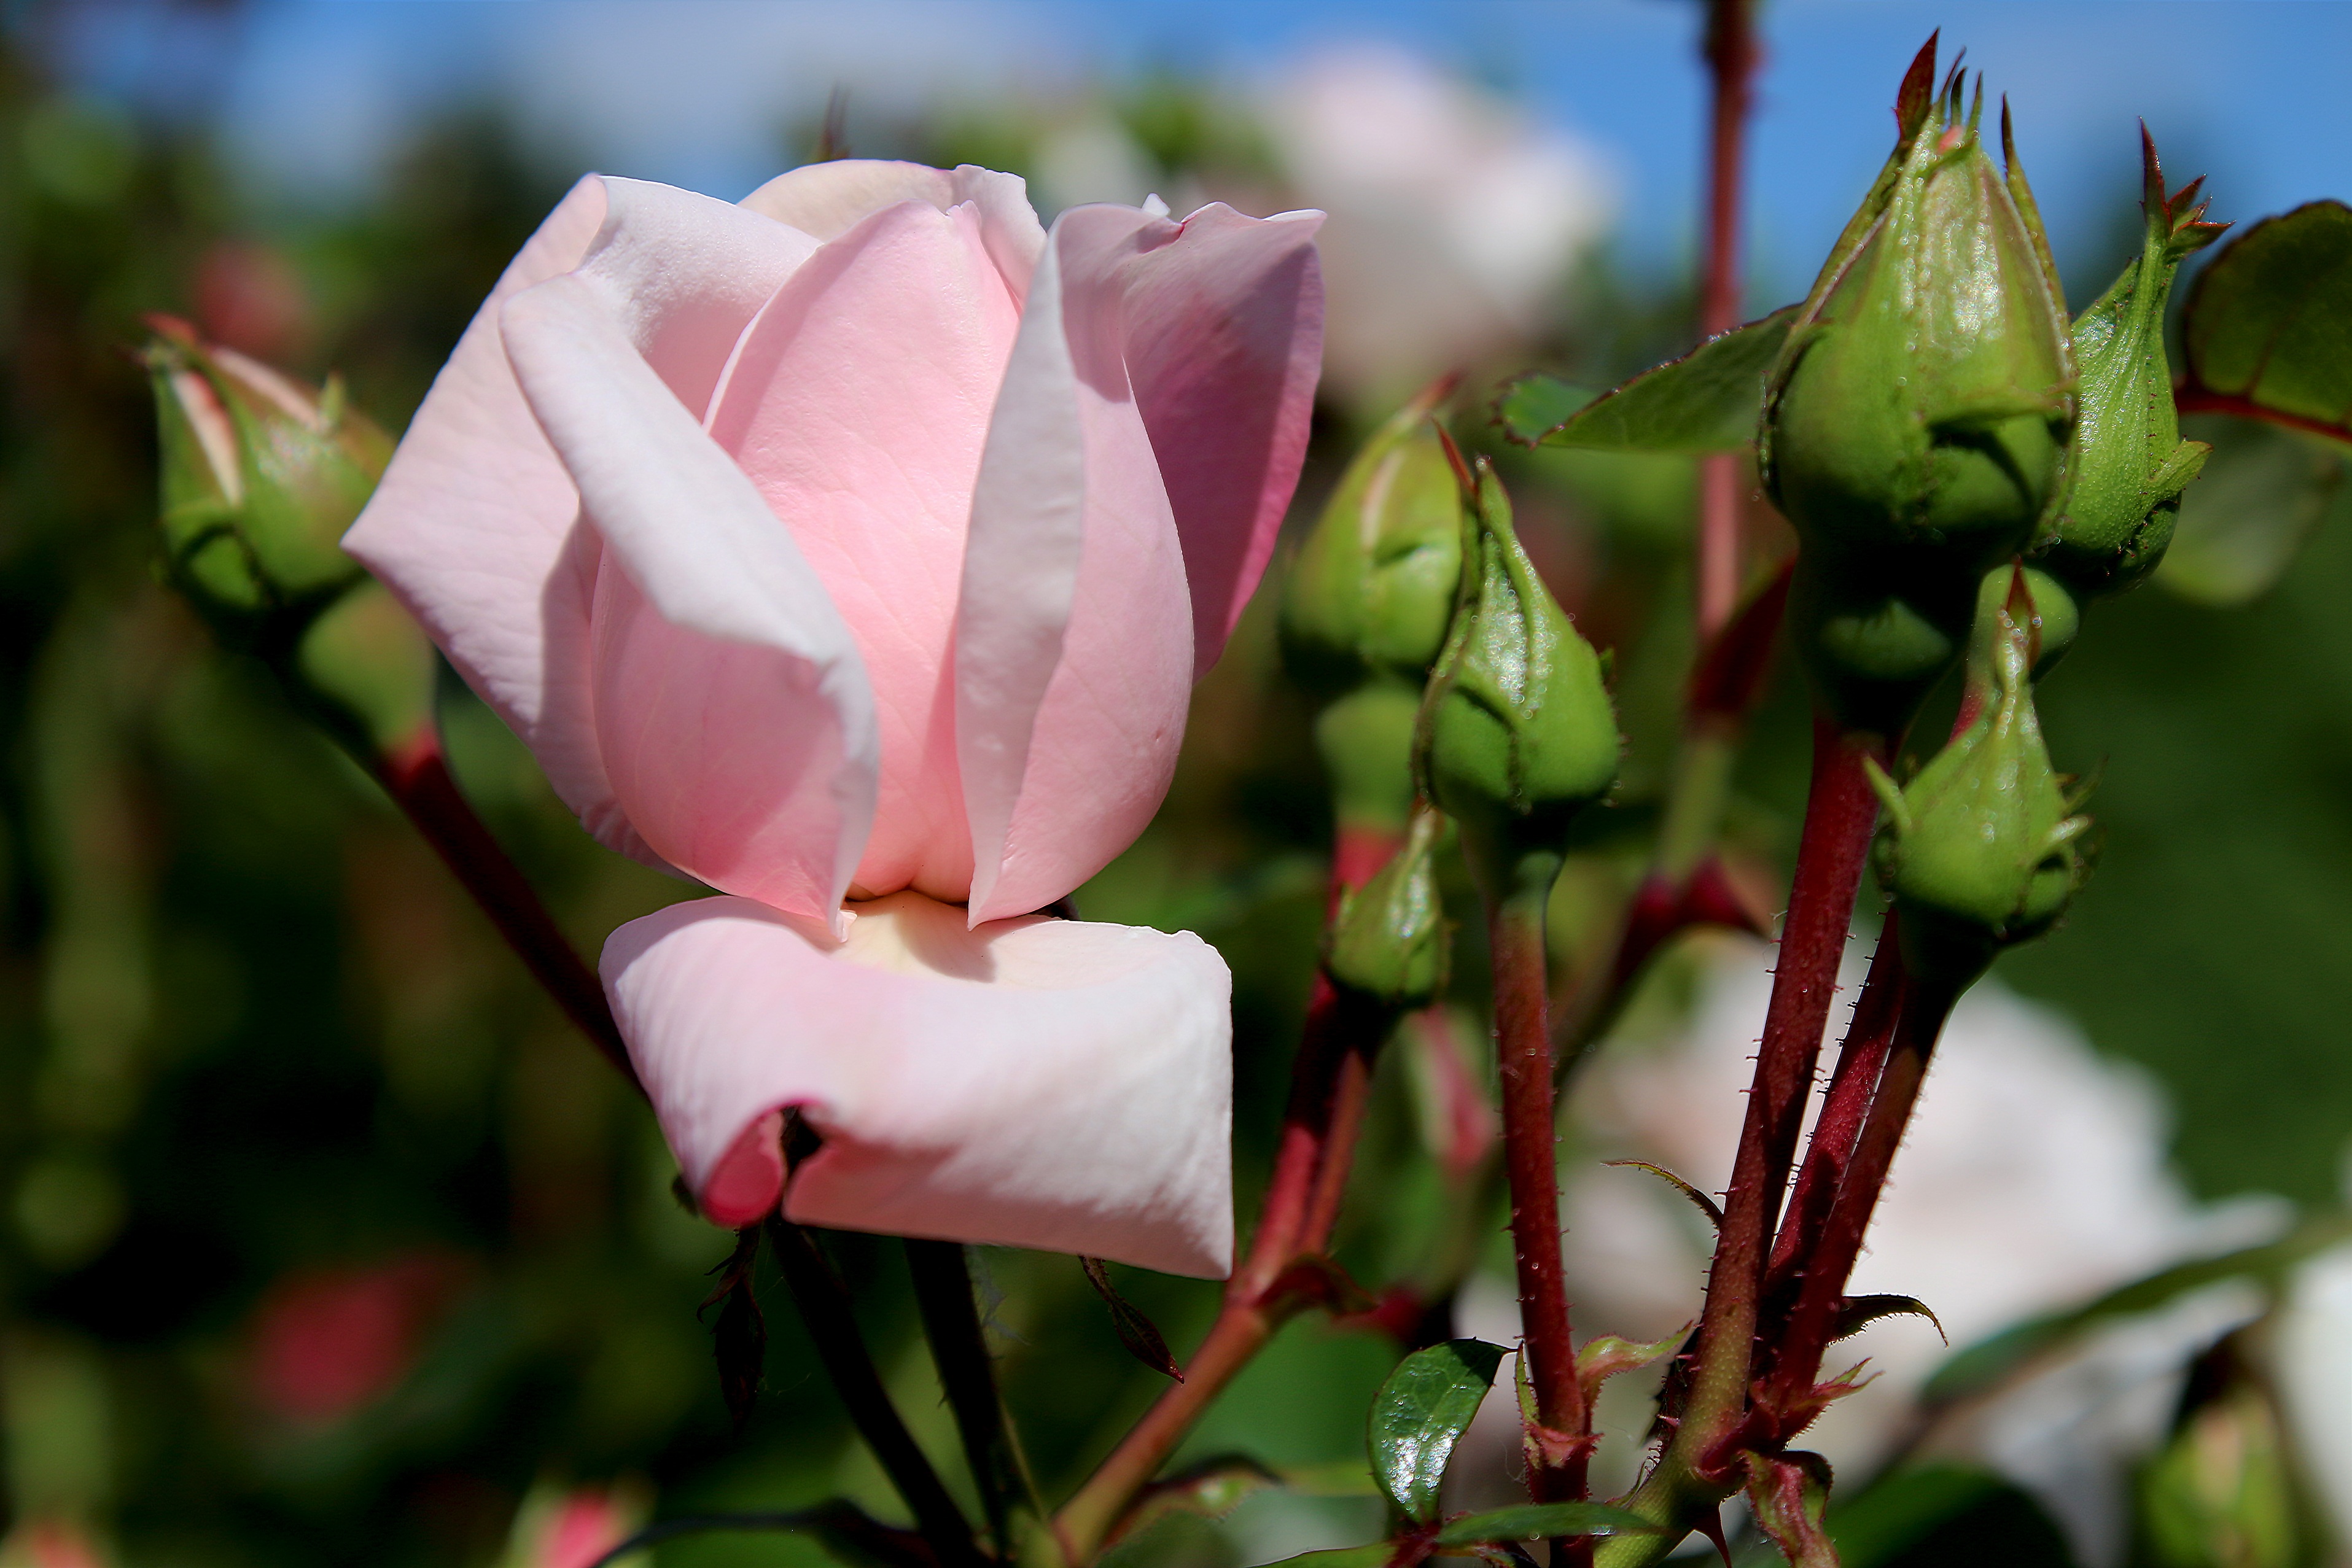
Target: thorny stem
[1840,811]
[418,781]
[1514,924]
[1328,1091]
[943,1278]
[1731,58]
[832,1322]
[1844,1104]
[1920,1014]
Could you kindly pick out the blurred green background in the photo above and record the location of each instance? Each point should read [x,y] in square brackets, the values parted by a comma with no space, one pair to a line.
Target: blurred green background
[322,1239]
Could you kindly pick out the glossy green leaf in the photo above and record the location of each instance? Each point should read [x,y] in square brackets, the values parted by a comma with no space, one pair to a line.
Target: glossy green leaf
[2269,324]
[1708,400]
[1420,1413]
[1985,1364]
[1537,1520]
[2264,492]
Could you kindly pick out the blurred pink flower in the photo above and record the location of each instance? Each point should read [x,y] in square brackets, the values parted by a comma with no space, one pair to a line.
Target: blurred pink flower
[50,1543]
[863,541]
[327,1341]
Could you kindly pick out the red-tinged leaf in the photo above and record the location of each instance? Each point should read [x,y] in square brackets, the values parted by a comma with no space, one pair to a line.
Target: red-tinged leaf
[1211,1488]
[1790,1494]
[1917,95]
[740,1338]
[1406,1553]
[1856,1313]
[1706,1204]
[1606,1355]
[1137,1332]
[2267,331]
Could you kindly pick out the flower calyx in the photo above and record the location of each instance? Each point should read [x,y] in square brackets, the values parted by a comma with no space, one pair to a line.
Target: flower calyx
[1919,424]
[261,477]
[1516,732]
[1980,852]
[1390,940]
[2132,466]
[1372,588]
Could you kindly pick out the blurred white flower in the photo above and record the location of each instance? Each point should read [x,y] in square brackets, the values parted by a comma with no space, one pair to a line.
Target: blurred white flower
[1453,217]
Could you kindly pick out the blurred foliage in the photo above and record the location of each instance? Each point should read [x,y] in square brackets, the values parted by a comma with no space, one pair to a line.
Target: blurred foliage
[322,1239]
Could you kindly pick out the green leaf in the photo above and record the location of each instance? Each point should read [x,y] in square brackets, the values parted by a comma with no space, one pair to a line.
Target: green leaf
[1537,1520]
[1376,1555]
[1984,1365]
[1421,1412]
[1708,400]
[2264,492]
[1788,1494]
[2268,328]
[1944,1513]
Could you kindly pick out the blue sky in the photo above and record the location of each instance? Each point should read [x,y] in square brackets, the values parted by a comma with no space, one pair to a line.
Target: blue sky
[2248,91]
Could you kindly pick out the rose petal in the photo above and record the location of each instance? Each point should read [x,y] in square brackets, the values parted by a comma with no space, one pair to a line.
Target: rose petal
[1224,343]
[1074,647]
[731,710]
[829,199]
[1031,1082]
[858,403]
[473,526]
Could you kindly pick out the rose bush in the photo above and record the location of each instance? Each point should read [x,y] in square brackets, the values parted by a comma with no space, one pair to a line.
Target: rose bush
[853,550]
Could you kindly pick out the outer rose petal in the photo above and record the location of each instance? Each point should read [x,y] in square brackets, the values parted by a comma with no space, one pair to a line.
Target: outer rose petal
[1074,650]
[1224,341]
[474,523]
[731,710]
[1033,1083]
[470,528]
[829,199]
[858,403]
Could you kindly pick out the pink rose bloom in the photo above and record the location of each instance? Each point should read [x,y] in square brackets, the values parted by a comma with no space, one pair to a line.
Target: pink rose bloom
[853,550]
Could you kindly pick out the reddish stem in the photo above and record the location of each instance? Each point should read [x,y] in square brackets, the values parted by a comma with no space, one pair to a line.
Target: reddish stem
[1329,1088]
[1530,1158]
[1732,57]
[1844,1103]
[418,778]
[2191,397]
[1840,811]
[1919,1018]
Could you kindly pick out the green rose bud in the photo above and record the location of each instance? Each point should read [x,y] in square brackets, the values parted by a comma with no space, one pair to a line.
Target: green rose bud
[1978,853]
[1372,588]
[1916,427]
[1390,941]
[2222,1490]
[2131,464]
[1515,734]
[1365,739]
[261,477]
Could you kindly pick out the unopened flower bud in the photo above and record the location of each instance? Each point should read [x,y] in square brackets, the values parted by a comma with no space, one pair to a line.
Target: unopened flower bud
[1372,589]
[1917,426]
[2131,464]
[1390,940]
[1980,852]
[1517,733]
[261,477]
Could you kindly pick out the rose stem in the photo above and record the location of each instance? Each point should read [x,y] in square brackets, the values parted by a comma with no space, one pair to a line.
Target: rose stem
[832,1323]
[942,1277]
[1840,812]
[1327,1078]
[1920,1017]
[418,778]
[1844,1105]
[1515,924]
[1731,59]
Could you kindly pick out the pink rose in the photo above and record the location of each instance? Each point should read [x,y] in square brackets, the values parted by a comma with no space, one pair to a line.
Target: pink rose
[862,542]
